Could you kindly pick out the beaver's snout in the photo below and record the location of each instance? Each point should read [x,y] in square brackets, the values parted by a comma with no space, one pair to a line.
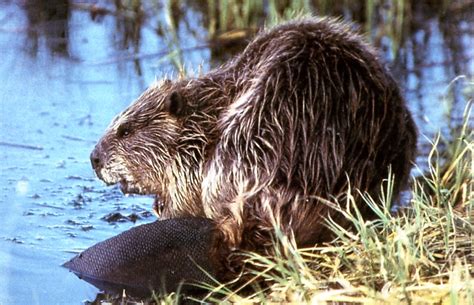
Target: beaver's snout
[97,157]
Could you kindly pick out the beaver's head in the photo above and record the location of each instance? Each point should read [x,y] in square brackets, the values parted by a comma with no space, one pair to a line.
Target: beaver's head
[140,143]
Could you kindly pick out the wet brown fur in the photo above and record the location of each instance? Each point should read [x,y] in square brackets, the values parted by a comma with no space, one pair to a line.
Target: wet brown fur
[304,111]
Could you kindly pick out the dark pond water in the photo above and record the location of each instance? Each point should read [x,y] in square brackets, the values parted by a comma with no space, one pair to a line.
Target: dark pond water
[64,73]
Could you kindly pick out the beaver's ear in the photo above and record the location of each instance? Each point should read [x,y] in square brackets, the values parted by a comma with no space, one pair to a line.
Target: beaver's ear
[175,104]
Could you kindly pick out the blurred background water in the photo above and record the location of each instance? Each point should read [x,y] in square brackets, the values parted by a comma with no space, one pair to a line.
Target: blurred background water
[67,67]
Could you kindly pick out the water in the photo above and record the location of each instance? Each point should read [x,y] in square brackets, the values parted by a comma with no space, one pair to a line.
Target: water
[58,102]
[62,81]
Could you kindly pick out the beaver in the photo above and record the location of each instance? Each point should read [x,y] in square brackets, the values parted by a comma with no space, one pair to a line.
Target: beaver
[306,114]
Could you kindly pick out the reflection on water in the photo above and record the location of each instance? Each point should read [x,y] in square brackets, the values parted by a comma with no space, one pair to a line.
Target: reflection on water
[67,68]
[47,20]
[437,51]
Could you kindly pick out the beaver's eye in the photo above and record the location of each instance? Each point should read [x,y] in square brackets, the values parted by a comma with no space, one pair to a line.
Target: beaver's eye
[124,130]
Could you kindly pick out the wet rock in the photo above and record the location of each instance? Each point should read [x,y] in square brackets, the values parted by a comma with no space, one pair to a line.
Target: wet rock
[80,201]
[72,222]
[15,240]
[28,213]
[119,217]
[86,228]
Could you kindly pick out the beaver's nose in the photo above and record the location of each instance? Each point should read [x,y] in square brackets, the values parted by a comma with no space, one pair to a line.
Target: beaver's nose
[96,159]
